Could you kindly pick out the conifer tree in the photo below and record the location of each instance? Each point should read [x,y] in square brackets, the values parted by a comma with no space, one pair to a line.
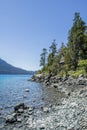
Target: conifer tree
[53,51]
[43,57]
[76,40]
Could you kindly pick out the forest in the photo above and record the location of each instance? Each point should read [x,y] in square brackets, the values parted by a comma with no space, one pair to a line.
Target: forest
[71,57]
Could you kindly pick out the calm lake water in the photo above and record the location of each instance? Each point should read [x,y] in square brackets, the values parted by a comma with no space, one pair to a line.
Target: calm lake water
[12,91]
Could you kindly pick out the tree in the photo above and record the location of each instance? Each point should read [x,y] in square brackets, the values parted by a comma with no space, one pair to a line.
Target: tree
[76,40]
[85,47]
[71,56]
[53,51]
[62,50]
[43,57]
[53,48]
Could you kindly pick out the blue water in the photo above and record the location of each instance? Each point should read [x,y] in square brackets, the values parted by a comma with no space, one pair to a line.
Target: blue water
[12,92]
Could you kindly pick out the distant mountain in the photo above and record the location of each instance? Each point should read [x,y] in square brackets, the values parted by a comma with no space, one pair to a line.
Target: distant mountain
[6,68]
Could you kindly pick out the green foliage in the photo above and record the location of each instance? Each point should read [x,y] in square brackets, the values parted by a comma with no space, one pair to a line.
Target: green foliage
[76,73]
[82,69]
[70,59]
[85,46]
[83,65]
[53,48]
[50,59]
[43,57]
[76,40]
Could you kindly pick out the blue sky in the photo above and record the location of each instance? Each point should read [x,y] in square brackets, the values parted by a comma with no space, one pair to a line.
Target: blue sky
[27,26]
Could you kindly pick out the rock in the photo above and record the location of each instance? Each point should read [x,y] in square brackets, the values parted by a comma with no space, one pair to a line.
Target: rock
[81,75]
[29,121]
[68,93]
[1,108]
[38,78]
[64,79]
[55,85]
[82,91]
[19,106]
[20,110]
[70,81]
[25,115]
[83,123]
[19,119]
[81,81]
[24,96]
[71,128]
[1,127]
[73,104]
[45,109]
[27,90]
[42,126]
[11,118]
[30,111]
[47,84]
[15,129]
[33,100]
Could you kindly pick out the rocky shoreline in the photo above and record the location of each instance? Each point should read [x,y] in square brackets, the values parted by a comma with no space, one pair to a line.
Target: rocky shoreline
[69,114]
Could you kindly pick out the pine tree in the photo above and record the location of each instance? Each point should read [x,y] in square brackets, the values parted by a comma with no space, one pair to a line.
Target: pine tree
[53,48]
[43,57]
[76,40]
[85,47]
[53,51]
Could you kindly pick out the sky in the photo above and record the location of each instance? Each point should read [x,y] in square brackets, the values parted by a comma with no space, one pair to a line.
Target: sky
[28,26]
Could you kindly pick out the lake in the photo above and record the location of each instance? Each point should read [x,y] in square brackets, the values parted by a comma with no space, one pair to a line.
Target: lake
[12,91]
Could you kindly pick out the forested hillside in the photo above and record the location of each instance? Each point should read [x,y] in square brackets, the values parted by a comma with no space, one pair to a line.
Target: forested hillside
[71,57]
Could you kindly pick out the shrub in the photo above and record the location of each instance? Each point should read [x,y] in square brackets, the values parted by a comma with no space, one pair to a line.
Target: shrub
[76,73]
[82,64]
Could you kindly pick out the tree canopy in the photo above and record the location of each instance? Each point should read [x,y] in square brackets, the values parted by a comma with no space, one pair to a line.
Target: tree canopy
[69,55]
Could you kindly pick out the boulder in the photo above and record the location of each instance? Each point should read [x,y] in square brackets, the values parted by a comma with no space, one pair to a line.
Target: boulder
[11,118]
[27,90]
[19,106]
[81,75]
[81,81]
[55,85]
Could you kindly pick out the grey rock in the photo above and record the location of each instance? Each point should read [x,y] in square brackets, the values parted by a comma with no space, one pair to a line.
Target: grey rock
[19,119]
[45,109]
[81,75]
[55,85]
[81,81]
[19,106]
[82,91]
[1,108]
[11,118]
[24,96]
[27,90]
[20,110]
[30,109]
[1,127]
[42,126]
